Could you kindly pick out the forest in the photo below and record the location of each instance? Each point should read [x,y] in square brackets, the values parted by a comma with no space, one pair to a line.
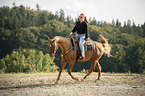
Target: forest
[24,44]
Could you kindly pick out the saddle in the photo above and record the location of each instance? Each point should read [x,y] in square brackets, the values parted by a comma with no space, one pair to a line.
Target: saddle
[88,45]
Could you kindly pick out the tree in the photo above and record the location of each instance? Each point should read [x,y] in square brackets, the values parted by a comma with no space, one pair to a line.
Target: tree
[56,15]
[118,24]
[61,16]
[69,21]
[135,57]
[26,61]
[39,60]
[14,4]
[38,7]
[113,22]
[93,22]
[128,23]
[2,65]
[143,30]
[43,18]
[48,64]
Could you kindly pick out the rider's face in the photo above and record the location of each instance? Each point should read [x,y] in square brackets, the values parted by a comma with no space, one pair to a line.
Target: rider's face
[81,17]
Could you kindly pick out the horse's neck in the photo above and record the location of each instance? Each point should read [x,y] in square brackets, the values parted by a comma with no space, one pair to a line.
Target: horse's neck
[63,43]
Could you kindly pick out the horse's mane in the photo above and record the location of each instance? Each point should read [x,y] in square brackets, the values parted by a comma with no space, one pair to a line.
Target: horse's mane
[58,38]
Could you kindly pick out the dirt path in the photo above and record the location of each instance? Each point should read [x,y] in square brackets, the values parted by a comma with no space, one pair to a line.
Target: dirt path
[42,84]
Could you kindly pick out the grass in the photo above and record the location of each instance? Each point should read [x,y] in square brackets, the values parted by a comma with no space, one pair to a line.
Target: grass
[43,84]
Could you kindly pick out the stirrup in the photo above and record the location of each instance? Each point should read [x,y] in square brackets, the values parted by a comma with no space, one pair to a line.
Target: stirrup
[82,57]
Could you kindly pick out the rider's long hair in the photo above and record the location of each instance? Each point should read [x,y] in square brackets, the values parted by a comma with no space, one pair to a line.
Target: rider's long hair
[85,18]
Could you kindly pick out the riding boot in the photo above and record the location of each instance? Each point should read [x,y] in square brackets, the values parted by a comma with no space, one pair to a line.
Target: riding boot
[82,56]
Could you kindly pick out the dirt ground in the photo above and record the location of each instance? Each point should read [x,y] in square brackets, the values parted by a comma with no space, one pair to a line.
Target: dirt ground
[43,84]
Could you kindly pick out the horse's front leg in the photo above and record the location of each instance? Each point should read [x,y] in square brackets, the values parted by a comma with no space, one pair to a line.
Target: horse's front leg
[69,70]
[63,63]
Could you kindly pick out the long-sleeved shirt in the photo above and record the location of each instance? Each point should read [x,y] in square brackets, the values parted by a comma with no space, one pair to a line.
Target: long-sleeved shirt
[81,28]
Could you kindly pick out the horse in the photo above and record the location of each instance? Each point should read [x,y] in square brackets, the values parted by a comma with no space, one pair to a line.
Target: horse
[70,56]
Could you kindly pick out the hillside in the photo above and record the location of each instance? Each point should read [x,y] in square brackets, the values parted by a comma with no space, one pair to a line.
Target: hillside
[22,28]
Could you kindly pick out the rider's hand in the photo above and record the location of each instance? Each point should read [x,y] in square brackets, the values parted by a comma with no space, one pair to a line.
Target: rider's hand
[71,33]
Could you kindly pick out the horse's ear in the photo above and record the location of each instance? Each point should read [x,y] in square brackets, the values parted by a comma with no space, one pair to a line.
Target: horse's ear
[49,39]
[53,40]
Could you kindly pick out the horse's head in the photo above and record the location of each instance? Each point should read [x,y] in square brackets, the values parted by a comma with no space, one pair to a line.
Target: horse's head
[52,47]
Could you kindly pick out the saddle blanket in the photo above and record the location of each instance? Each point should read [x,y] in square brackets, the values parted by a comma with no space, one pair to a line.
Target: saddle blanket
[86,47]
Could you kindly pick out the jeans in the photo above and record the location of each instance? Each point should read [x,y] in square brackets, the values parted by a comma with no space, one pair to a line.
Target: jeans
[81,38]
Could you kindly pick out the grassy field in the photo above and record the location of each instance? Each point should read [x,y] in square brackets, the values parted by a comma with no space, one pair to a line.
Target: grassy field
[43,84]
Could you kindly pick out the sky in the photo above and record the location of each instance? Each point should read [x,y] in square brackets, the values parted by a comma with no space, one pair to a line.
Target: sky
[105,10]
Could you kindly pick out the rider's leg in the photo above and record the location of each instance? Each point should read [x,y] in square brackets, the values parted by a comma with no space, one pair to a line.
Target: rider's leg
[81,44]
[81,38]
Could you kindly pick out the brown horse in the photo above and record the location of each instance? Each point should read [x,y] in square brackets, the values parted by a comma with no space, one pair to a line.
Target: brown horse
[67,54]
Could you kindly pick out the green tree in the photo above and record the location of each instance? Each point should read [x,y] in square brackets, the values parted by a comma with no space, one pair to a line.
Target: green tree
[118,24]
[113,22]
[61,16]
[43,17]
[39,60]
[69,21]
[135,57]
[93,22]
[48,64]
[2,65]
[38,7]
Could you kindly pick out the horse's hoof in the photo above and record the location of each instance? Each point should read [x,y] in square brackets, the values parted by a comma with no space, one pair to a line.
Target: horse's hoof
[76,79]
[96,80]
[56,82]
[82,80]
[99,79]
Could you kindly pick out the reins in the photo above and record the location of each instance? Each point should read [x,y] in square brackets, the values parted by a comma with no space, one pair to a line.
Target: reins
[69,46]
[69,49]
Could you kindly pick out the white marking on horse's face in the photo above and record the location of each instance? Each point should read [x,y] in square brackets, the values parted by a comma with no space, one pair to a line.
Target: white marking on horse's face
[55,43]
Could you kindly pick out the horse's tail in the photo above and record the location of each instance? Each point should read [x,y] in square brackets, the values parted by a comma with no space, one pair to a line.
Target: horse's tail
[106,46]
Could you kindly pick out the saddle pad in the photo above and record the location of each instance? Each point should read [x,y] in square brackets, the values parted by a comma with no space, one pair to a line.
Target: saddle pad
[73,43]
[87,47]
[90,47]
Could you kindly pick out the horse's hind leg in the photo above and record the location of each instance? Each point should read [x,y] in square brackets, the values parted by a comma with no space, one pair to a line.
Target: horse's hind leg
[91,69]
[99,70]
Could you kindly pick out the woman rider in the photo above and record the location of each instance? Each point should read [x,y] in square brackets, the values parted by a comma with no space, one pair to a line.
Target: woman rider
[82,32]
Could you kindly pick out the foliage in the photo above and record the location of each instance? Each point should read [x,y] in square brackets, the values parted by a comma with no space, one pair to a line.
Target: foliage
[27,60]
[23,29]
[135,57]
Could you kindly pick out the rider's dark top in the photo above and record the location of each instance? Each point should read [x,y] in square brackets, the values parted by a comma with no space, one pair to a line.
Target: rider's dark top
[81,28]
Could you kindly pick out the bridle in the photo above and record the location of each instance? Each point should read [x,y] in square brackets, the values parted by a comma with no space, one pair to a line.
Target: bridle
[62,54]
[54,47]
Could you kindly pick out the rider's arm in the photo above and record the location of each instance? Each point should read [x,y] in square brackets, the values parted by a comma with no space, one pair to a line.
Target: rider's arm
[86,30]
[74,29]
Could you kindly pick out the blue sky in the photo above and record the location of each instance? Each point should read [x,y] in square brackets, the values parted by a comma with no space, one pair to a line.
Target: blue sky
[105,10]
